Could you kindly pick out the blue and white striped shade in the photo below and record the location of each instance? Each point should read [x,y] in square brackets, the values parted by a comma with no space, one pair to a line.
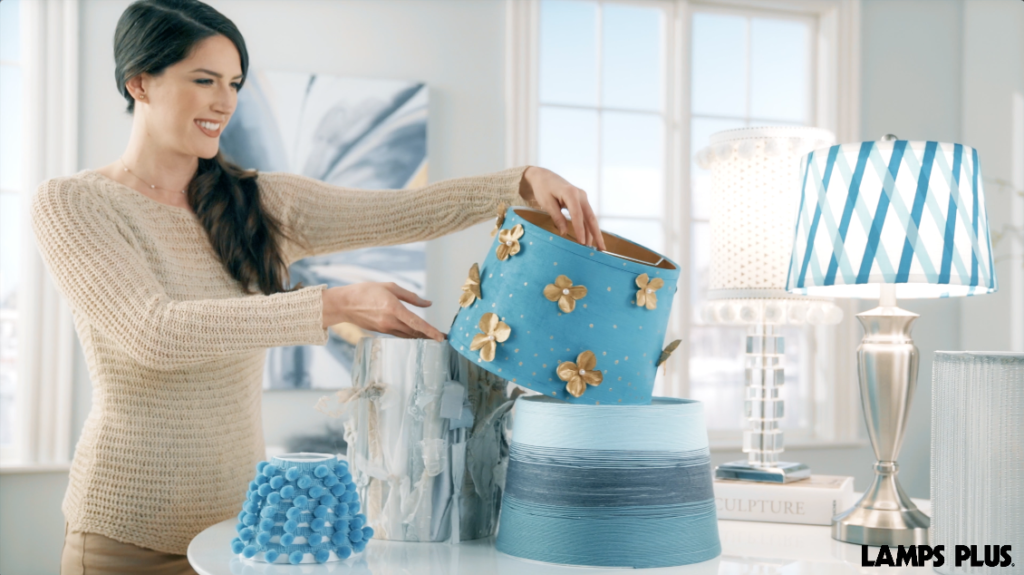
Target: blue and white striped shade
[893,212]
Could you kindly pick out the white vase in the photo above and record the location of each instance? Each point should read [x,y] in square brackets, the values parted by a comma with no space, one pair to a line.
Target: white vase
[426,441]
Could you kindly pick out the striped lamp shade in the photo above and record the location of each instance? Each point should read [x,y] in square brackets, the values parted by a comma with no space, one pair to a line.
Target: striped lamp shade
[892,212]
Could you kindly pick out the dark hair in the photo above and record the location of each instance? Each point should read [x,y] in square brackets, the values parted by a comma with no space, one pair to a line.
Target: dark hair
[154,34]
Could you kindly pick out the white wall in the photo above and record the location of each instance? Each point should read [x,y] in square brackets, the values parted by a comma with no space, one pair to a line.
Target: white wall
[31,523]
[993,71]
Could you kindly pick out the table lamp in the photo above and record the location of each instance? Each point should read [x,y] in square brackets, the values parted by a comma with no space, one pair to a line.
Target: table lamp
[755,175]
[890,219]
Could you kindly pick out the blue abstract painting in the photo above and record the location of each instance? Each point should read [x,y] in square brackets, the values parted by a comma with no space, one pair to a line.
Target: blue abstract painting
[353,132]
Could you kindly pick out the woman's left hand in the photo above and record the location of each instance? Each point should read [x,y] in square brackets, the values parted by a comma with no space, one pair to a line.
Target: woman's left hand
[552,193]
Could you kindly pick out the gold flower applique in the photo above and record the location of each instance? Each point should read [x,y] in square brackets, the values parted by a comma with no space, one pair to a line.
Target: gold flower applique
[502,208]
[580,374]
[564,293]
[665,353]
[509,239]
[471,289]
[646,296]
[494,331]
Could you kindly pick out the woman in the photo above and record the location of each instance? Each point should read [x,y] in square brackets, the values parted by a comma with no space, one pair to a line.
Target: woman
[174,262]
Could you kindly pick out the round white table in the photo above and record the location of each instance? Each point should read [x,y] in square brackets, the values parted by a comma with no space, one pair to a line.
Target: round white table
[747,548]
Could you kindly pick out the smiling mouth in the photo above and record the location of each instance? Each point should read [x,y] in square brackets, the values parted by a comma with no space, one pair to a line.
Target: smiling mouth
[211,129]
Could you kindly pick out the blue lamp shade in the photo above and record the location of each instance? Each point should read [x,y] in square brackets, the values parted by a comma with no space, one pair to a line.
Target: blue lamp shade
[547,338]
[892,212]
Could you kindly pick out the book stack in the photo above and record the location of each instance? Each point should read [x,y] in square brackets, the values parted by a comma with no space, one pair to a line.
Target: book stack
[811,501]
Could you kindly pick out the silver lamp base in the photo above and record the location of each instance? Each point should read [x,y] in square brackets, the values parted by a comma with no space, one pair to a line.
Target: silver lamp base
[883,516]
[780,472]
[887,361]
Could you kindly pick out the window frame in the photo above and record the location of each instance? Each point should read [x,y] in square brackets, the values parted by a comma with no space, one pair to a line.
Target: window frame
[835,82]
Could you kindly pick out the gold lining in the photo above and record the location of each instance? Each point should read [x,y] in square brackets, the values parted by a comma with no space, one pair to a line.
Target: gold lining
[618,247]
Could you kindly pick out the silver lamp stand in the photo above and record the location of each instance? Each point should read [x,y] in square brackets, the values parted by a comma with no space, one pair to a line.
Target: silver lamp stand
[887,368]
[762,442]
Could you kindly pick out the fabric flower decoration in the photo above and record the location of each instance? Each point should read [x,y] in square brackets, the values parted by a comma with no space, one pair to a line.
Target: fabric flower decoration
[501,219]
[665,353]
[580,374]
[646,296]
[564,293]
[509,242]
[471,289]
[494,331]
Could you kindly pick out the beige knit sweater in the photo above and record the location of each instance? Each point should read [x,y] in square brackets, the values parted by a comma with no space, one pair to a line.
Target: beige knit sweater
[176,349]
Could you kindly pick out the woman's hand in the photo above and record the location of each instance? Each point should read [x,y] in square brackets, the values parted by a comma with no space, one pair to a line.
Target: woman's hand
[553,193]
[377,307]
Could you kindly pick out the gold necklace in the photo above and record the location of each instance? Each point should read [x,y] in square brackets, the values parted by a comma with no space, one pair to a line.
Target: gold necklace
[141,180]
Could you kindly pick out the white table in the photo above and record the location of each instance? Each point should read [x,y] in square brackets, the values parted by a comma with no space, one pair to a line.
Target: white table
[748,548]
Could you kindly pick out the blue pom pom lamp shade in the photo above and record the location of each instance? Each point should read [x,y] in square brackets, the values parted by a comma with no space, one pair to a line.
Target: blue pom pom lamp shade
[890,219]
[526,287]
[609,485]
[301,508]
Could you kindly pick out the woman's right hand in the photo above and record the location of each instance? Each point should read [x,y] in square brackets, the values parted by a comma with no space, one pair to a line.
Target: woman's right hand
[377,306]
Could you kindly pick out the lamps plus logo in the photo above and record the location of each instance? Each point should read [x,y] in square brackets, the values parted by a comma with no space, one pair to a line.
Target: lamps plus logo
[917,555]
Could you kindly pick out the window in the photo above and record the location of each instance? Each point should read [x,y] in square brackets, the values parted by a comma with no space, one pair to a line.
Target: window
[601,110]
[747,68]
[618,96]
[10,220]
[602,117]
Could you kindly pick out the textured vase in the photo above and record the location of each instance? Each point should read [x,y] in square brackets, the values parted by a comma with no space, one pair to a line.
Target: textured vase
[977,475]
[426,441]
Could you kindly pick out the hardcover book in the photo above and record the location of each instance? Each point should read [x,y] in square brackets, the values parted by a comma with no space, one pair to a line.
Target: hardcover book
[811,501]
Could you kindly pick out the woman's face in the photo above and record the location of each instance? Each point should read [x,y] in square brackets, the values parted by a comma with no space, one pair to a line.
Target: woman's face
[188,105]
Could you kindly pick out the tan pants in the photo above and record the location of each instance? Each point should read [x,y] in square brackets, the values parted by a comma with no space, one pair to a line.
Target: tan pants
[94,554]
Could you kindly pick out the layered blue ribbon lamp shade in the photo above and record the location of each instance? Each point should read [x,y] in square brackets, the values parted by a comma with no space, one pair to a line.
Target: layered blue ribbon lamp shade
[609,485]
[755,176]
[890,219]
[563,319]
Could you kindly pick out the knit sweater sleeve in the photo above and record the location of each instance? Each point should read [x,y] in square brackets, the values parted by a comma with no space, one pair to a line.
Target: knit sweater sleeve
[107,280]
[325,218]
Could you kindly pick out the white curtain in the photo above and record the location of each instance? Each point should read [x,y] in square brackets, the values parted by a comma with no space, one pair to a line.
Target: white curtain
[49,44]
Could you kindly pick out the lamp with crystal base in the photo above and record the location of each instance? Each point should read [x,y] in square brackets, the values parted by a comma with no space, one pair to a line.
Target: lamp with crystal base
[755,182]
[890,219]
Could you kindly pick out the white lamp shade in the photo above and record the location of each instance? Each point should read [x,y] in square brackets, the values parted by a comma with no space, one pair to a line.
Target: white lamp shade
[892,212]
[755,174]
